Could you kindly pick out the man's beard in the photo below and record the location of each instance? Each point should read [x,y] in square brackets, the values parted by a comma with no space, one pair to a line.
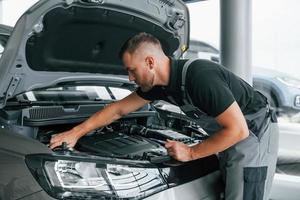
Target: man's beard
[146,88]
[148,85]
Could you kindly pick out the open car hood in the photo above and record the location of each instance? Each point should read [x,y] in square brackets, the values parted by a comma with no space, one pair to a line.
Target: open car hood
[79,40]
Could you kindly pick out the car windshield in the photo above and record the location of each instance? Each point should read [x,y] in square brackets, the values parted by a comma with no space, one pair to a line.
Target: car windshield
[74,93]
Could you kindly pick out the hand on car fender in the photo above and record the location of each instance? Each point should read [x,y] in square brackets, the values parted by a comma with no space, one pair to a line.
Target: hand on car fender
[179,151]
[68,136]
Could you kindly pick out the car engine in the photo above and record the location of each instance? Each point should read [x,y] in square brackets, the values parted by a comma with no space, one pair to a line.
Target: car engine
[140,136]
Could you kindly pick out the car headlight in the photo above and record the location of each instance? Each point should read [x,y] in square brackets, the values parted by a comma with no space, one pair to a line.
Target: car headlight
[292,82]
[63,178]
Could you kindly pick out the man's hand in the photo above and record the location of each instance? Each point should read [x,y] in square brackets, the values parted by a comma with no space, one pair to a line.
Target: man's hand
[179,151]
[68,136]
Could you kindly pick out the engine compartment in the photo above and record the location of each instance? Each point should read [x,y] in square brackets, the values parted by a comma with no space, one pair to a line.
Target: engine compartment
[127,139]
[140,135]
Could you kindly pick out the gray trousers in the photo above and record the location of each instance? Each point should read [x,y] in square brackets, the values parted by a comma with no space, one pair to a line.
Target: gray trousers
[248,167]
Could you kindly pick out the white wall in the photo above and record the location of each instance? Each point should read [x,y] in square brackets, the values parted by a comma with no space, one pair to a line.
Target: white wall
[1,12]
[205,21]
[13,9]
[276,35]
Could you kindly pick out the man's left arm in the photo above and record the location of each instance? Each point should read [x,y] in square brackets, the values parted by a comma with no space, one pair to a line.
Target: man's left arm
[234,130]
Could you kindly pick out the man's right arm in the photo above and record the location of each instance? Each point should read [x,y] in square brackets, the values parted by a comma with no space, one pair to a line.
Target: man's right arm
[102,118]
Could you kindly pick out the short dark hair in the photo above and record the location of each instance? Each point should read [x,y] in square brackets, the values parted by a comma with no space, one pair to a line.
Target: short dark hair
[134,42]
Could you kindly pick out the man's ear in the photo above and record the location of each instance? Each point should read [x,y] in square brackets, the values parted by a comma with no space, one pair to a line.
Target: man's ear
[149,61]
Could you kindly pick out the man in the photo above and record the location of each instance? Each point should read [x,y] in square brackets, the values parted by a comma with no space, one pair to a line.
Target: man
[200,88]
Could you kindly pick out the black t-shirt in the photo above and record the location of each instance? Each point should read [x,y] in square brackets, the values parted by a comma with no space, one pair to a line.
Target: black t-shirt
[212,88]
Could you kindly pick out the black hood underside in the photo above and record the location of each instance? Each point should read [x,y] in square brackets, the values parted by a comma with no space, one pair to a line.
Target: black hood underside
[77,39]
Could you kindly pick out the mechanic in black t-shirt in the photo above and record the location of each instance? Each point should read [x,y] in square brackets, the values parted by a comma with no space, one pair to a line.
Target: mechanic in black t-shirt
[247,155]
